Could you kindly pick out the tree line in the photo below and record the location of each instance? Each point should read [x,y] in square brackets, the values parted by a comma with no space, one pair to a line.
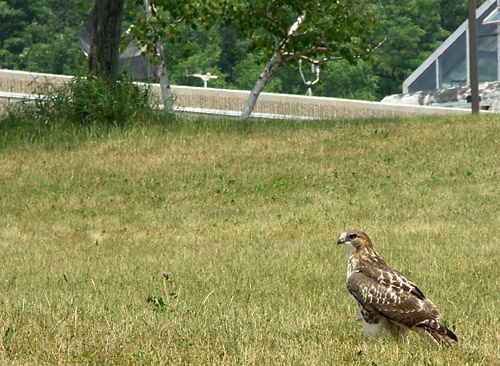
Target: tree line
[372,45]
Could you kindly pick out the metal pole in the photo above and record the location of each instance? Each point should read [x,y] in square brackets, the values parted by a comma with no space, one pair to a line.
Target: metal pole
[474,88]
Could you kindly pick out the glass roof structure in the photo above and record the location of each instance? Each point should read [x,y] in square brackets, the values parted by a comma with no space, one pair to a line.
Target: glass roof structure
[448,66]
[493,18]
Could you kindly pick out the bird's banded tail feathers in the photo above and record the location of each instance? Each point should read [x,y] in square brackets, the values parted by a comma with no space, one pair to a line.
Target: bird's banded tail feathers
[438,332]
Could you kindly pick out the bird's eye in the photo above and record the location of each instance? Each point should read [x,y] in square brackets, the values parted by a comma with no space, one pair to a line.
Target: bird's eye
[353,236]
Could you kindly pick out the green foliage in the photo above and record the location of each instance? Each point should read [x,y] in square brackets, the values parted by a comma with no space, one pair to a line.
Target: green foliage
[165,21]
[247,70]
[453,13]
[341,28]
[171,302]
[415,32]
[93,101]
[84,101]
[204,56]
[342,80]
[40,36]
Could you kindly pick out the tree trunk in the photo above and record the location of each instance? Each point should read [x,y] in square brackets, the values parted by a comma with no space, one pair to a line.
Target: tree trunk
[166,92]
[265,76]
[269,71]
[161,68]
[105,41]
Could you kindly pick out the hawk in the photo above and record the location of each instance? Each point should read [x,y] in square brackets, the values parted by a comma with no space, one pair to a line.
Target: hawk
[390,304]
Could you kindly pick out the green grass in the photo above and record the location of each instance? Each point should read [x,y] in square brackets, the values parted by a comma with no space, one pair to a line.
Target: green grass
[244,218]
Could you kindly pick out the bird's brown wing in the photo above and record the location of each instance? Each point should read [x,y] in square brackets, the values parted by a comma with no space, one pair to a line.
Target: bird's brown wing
[391,294]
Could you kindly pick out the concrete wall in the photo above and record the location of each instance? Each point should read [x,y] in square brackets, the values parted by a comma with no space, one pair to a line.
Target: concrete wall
[17,84]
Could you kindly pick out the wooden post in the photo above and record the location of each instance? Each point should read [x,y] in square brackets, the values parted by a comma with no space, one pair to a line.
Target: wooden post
[474,79]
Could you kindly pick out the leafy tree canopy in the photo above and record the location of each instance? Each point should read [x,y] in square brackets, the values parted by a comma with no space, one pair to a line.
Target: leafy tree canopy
[340,28]
[40,35]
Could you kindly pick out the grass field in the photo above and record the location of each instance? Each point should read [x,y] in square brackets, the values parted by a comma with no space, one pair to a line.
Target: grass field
[243,219]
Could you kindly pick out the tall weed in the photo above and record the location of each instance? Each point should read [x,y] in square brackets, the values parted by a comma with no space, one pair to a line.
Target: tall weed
[85,105]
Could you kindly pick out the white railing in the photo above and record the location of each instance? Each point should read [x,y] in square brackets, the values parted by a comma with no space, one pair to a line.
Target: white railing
[15,85]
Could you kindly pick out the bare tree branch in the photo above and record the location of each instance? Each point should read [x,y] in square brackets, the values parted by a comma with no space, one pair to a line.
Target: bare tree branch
[299,34]
[291,32]
[322,35]
[269,13]
[381,42]
[181,19]
[303,55]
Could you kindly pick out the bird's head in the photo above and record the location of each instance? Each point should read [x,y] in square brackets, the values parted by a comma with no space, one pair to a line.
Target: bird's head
[354,240]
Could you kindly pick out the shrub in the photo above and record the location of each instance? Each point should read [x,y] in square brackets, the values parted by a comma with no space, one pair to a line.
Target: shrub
[85,100]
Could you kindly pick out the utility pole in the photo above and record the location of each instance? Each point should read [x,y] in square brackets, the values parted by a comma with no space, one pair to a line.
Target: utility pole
[474,88]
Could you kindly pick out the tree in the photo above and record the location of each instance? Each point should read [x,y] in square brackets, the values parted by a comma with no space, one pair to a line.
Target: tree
[162,19]
[344,80]
[105,42]
[161,62]
[39,35]
[416,31]
[315,31]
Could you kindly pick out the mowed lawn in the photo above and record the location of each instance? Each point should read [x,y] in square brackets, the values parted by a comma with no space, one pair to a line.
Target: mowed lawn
[214,242]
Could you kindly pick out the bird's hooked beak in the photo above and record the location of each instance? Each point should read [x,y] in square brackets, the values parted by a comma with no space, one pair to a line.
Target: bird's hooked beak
[341,239]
